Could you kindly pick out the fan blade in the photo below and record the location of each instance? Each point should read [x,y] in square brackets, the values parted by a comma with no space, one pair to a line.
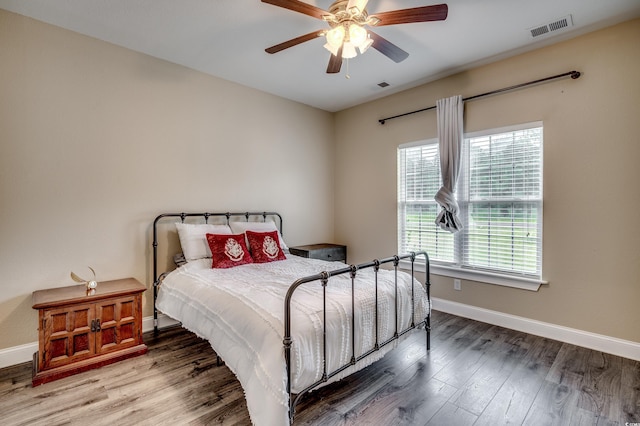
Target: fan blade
[300,7]
[437,12]
[335,63]
[387,48]
[293,42]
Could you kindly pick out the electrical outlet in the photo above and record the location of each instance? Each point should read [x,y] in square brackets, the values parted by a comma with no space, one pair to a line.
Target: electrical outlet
[456,285]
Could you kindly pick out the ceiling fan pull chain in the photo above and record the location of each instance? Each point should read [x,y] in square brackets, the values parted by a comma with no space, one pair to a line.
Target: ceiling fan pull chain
[347,76]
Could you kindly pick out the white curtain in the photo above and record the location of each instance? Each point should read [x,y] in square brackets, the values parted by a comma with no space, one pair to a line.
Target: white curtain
[450,125]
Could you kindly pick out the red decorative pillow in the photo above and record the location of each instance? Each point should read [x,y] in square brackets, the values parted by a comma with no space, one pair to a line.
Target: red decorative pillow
[228,250]
[265,246]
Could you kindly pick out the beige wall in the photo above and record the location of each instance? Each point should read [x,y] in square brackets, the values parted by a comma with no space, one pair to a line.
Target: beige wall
[96,140]
[591,176]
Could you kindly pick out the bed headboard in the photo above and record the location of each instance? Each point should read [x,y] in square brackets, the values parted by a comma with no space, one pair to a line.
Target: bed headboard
[206,217]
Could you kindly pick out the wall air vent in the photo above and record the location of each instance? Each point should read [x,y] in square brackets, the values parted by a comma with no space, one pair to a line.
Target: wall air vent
[552,27]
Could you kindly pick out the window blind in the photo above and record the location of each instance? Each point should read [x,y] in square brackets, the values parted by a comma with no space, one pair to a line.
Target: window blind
[419,180]
[500,197]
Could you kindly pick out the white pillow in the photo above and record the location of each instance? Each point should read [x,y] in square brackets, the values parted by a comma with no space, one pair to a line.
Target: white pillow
[194,241]
[240,227]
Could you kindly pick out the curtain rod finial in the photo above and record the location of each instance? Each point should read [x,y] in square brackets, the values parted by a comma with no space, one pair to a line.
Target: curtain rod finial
[575,74]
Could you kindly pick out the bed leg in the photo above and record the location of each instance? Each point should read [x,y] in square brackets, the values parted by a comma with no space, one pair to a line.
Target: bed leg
[155,321]
[427,329]
[155,309]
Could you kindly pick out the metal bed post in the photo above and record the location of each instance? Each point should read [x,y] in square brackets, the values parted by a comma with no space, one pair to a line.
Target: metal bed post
[396,262]
[155,272]
[323,277]
[353,272]
[376,269]
[427,286]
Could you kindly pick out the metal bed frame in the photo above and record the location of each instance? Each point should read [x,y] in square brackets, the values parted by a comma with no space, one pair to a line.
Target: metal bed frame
[323,279]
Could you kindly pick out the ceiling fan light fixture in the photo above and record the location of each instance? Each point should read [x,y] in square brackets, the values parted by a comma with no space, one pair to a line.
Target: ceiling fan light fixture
[334,50]
[357,35]
[349,36]
[335,36]
[366,45]
[348,50]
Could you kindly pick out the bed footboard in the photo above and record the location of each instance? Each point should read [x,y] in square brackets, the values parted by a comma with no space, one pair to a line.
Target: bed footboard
[352,270]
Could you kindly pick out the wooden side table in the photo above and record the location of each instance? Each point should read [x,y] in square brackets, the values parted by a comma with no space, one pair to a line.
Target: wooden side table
[80,329]
[332,252]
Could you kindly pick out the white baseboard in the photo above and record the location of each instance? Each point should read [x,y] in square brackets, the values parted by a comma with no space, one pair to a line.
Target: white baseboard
[17,354]
[163,321]
[599,342]
[24,353]
[624,348]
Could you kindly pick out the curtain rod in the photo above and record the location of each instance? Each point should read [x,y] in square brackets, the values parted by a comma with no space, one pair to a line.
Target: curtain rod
[573,74]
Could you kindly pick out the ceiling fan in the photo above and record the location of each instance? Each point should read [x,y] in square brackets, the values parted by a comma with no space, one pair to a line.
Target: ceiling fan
[347,19]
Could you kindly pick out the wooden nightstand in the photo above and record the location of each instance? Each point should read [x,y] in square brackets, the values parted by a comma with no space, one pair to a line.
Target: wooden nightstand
[79,330]
[333,252]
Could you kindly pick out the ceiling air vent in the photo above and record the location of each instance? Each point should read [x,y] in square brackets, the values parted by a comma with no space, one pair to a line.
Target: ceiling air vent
[383,84]
[558,25]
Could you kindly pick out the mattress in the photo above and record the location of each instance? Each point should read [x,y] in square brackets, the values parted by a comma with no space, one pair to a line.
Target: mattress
[240,311]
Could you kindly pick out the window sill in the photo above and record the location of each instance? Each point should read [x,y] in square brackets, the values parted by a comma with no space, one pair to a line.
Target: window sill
[478,276]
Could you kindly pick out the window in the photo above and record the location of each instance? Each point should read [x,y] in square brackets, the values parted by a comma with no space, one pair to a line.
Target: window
[499,192]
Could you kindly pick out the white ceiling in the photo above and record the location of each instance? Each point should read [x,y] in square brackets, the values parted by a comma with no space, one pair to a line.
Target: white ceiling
[227,38]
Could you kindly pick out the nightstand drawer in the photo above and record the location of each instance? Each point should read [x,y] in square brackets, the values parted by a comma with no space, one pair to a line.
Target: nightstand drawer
[330,252]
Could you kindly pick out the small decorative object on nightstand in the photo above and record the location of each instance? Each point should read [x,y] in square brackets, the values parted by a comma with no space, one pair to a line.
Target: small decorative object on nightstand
[91,284]
[80,328]
[333,252]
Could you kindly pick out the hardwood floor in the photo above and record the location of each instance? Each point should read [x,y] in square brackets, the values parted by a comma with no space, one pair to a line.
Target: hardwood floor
[475,374]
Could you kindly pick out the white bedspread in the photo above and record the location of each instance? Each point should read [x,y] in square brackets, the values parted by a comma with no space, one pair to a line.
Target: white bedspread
[241,310]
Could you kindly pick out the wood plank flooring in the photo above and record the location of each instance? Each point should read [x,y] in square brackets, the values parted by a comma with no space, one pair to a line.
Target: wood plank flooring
[475,374]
